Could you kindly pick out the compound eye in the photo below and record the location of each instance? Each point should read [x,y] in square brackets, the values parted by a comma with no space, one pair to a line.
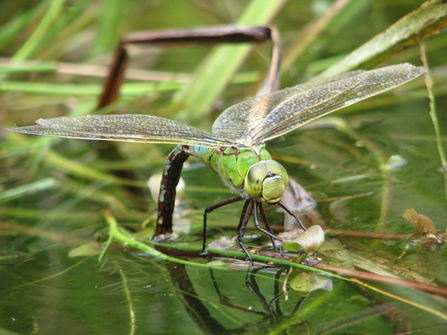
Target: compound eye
[255,178]
[275,183]
[275,168]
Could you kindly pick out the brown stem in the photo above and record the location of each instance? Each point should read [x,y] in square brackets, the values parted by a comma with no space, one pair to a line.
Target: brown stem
[382,279]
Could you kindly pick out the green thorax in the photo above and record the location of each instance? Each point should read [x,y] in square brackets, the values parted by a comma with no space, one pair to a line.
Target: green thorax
[232,163]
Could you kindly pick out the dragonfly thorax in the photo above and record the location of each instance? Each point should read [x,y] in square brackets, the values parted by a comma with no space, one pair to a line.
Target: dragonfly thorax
[266,181]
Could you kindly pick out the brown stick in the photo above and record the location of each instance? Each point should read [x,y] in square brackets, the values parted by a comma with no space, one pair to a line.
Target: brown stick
[199,36]
[382,279]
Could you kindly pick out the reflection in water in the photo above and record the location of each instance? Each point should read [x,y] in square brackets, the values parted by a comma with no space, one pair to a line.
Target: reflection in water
[201,307]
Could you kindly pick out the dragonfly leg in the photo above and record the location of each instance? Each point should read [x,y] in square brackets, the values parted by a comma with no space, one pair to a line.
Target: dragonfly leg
[269,229]
[291,213]
[169,181]
[208,211]
[245,216]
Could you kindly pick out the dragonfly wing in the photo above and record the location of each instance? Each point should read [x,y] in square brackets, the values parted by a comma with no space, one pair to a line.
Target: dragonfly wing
[125,128]
[239,121]
[275,114]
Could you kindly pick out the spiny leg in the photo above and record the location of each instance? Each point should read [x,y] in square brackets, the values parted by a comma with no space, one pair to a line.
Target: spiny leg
[209,210]
[291,213]
[269,228]
[245,216]
[268,231]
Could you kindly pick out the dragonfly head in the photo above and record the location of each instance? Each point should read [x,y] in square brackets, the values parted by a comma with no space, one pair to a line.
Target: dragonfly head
[266,181]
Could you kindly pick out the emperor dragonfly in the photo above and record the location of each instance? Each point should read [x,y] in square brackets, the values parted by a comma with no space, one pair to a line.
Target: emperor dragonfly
[235,148]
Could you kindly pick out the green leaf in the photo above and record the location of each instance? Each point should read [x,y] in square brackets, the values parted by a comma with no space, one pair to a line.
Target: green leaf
[425,21]
[306,282]
[85,250]
[310,241]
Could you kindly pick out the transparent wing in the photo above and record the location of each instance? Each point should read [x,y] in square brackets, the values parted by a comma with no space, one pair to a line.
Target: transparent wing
[125,128]
[275,114]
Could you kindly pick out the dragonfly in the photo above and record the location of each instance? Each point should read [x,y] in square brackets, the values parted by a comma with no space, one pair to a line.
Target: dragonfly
[235,148]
